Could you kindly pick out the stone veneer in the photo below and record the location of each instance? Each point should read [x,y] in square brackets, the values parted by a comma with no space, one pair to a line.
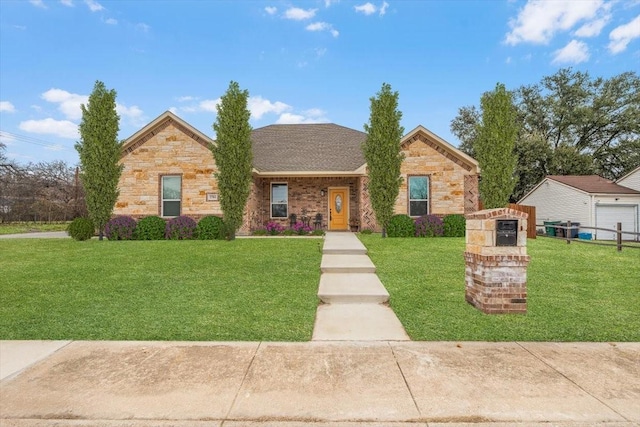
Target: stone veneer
[167,150]
[452,183]
[495,276]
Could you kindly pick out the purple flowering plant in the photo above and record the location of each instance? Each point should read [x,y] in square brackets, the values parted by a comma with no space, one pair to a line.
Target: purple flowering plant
[120,228]
[274,228]
[429,226]
[301,229]
[180,228]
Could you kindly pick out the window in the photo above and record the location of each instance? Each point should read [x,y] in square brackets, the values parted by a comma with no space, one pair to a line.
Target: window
[279,200]
[171,195]
[418,195]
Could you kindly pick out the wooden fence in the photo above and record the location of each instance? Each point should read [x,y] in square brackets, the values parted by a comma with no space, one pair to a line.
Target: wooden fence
[569,232]
[531,222]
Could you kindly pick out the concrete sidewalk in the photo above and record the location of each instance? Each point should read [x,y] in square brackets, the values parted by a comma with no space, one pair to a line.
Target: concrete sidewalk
[320,383]
[37,235]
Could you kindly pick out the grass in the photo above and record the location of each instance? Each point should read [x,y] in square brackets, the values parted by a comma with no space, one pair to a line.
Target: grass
[245,290]
[576,292]
[31,227]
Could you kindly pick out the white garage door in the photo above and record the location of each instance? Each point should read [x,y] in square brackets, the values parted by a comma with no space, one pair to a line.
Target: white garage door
[607,216]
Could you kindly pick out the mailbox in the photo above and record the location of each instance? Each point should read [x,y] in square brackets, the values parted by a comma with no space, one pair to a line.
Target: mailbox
[506,232]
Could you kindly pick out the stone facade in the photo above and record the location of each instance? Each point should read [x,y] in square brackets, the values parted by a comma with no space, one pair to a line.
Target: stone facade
[495,276]
[451,181]
[167,150]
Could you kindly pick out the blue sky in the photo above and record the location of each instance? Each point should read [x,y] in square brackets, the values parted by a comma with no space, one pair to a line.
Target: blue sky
[302,61]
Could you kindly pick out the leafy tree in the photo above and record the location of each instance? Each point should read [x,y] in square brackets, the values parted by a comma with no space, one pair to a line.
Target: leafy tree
[494,147]
[382,153]
[233,155]
[587,125]
[99,151]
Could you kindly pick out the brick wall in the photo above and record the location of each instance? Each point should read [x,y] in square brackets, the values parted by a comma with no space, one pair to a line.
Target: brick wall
[167,151]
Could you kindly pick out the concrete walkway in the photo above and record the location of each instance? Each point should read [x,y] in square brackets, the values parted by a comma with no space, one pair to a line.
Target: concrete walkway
[335,384]
[353,295]
[37,235]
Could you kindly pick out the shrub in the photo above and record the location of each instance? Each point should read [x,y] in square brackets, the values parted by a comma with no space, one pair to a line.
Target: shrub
[454,225]
[180,228]
[317,232]
[400,226]
[301,229]
[429,226]
[120,228]
[81,229]
[150,228]
[259,232]
[289,232]
[210,228]
[366,231]
[274,228]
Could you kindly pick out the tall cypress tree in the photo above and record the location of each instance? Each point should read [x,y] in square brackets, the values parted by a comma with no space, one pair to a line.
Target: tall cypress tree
[99,151]
[494,147]
[382,153]
[233,155]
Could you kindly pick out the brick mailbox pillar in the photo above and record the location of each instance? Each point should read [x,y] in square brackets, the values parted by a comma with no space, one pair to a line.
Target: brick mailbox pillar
[496,261]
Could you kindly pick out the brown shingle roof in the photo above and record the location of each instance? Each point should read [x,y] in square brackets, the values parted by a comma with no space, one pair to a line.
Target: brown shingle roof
[592,184]
[307,147]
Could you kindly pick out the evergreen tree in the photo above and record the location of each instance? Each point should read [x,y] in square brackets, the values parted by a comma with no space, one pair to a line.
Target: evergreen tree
[233,155]
[99,151]
[494,147]
[382,153]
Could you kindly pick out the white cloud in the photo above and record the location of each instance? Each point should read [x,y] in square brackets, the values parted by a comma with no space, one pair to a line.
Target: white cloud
[574,53]
[111,21]
[6,139]
[67,2]
[508,60]
[320,52]
[54,147]
[143,27]
[60,128]
[7,107]
[539,20]
[260,106]
[271,10]
[93,5]
[328,3]
[186,98]
[134,114]
[38,3]
[20,27]
[323,26]
[621,36]
[367,8]
[383,8]
[210,105]
[69,103]
[174,110]
[298,14]
[593,28]
[310,116]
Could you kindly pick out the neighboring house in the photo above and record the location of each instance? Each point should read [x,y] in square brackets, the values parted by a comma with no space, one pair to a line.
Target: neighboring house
[591,200]
[631,180]
[300,168]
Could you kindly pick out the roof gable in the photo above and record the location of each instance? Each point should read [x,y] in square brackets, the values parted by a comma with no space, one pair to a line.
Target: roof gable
[630,175]
[592,184]
[424,135]
[157,125]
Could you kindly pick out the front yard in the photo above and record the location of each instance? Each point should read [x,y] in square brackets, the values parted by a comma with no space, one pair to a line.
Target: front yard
[576,292]
[265,289]
[246,290]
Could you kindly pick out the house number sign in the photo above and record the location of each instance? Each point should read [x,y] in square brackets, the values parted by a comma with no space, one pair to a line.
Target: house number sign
[212,197]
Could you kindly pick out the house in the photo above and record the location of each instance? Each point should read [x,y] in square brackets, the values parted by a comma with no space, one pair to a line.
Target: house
[590,200]
[298,169]
[631,180]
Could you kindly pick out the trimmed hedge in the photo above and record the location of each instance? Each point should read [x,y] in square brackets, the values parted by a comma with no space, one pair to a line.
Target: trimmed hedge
[454,225]
[401,226]
[81,229]
[180,228]
[210,228]
[429,226]
[150,228]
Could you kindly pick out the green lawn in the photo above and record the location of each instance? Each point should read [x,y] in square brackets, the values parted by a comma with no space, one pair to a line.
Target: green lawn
[30,227]
[247,290]
[576,292]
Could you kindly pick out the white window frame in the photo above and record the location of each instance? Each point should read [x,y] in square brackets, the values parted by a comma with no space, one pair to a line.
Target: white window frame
[162,199]
[271,203]
[417,200]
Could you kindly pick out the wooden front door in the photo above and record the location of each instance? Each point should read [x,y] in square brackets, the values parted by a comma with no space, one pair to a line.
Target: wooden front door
[338,209]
